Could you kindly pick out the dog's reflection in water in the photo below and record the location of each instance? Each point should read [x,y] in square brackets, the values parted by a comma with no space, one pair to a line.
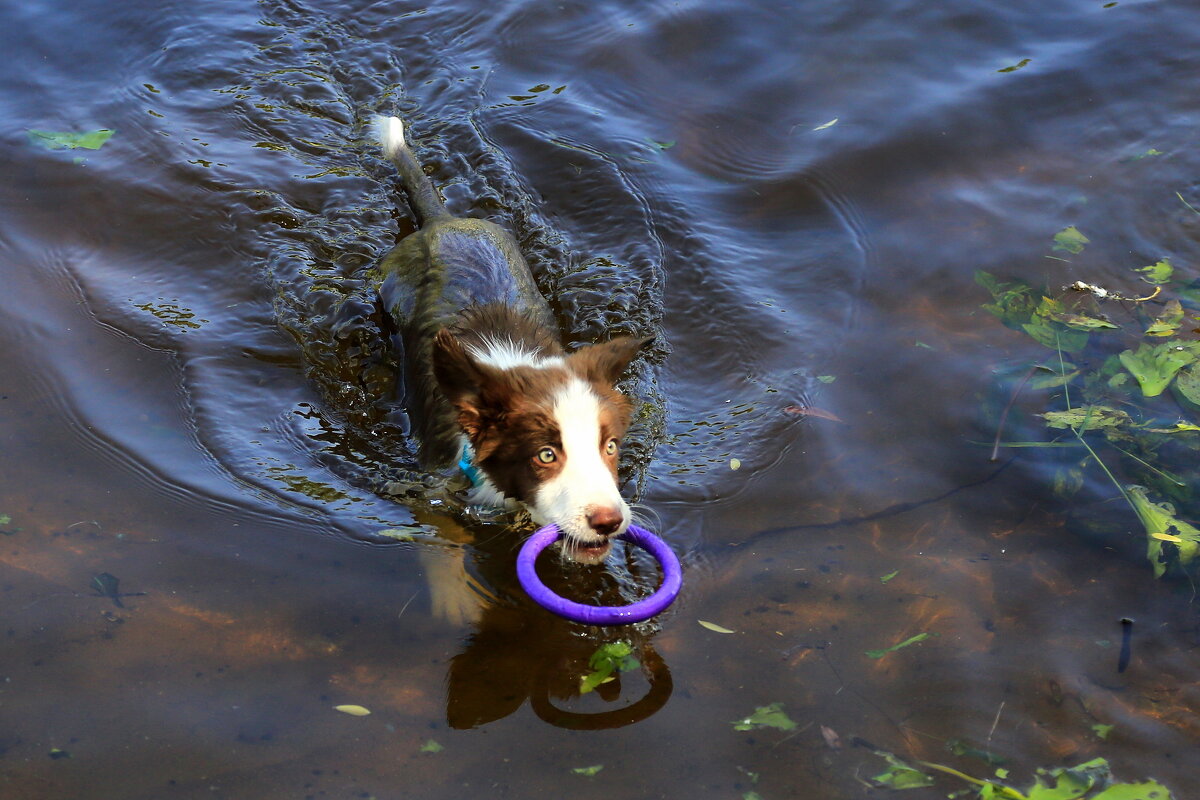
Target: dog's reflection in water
[517,651]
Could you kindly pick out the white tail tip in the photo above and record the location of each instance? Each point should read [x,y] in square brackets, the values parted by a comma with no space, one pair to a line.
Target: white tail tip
[391,135]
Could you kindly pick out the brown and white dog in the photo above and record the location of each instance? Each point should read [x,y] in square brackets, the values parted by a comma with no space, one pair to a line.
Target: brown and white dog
[487,383]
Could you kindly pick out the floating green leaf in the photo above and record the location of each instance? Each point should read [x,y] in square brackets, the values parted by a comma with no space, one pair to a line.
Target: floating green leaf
[1168,321]
[1155,365]
[1162,525]
[1102,730]
[1180,427]
[1082,321]
[1013,68]
[1158,273]
[1053,380]
[920,637]
[1070,239]
[899,775]
[1067,786]
[1188,383]
[889,576]
[432,746]
[67,140]
[1086,418]
[1148,790]
[1046,330]
[1014,303]
[1189,295]
[588,771]
[827,378]
[771,716]
[712,626]
[961,748]
[608,658]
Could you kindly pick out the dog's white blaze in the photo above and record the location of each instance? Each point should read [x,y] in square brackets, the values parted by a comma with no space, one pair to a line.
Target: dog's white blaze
[584,484]
[506,354]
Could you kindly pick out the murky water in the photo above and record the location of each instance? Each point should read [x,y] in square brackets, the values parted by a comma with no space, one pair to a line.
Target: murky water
[794,197]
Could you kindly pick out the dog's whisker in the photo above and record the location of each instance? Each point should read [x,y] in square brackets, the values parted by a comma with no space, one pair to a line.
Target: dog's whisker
[644,516]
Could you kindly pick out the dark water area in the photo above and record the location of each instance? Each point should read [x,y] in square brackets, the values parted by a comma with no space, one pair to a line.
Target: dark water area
[795,198]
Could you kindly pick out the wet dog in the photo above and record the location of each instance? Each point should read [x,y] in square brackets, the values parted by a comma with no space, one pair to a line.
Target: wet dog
[488,385]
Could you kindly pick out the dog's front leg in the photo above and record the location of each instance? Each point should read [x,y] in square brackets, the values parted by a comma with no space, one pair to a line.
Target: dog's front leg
[456,597]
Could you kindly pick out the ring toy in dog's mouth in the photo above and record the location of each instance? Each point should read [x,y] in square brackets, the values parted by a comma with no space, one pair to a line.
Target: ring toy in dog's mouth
[601,615]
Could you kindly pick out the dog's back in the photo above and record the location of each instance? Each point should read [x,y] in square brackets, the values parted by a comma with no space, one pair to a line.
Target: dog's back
[449,265]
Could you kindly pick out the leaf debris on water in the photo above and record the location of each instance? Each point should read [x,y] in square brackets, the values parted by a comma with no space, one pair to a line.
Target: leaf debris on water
[889,576]
[610,658]
[920,637]
[107,585]
[69,140]
[1013,68]
[827,125]
[353,710]
[899,775]
[432,746]
[712,626]
[735,463]
[588,771]
[1070,240]
[1158,273]
[769,716]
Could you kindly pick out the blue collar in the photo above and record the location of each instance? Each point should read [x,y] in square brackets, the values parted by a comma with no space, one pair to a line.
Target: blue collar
[466,463]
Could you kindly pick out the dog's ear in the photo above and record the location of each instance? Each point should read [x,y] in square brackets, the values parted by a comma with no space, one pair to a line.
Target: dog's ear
[458,375]
[460,378]
[464,382]
[604,363]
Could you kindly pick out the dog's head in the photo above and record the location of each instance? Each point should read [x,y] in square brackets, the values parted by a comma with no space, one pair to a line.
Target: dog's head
[546,431]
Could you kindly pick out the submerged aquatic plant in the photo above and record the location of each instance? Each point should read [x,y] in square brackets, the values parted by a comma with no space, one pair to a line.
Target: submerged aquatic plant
[1122,383]
[1091,780]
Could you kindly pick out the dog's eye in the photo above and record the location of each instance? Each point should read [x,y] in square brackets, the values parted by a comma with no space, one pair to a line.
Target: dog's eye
[547,455]
[611,447]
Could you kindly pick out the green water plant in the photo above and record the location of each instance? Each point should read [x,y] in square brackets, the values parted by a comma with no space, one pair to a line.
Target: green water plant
[1121,383]
[768,716]
[606,663]
[70,140]
[920,637]
[1091,780]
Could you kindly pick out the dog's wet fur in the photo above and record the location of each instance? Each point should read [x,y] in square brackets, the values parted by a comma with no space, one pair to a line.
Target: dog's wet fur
[485,371]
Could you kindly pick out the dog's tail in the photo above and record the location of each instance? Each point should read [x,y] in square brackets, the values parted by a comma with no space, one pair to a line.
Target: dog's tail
[422,196]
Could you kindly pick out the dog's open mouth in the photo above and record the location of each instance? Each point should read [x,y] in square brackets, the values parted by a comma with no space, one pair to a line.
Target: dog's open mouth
[587,552]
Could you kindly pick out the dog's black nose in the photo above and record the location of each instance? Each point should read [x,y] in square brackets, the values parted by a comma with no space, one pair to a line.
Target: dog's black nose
[605,521]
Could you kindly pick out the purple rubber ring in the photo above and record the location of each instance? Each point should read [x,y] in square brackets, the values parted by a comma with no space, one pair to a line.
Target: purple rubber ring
[601,615]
